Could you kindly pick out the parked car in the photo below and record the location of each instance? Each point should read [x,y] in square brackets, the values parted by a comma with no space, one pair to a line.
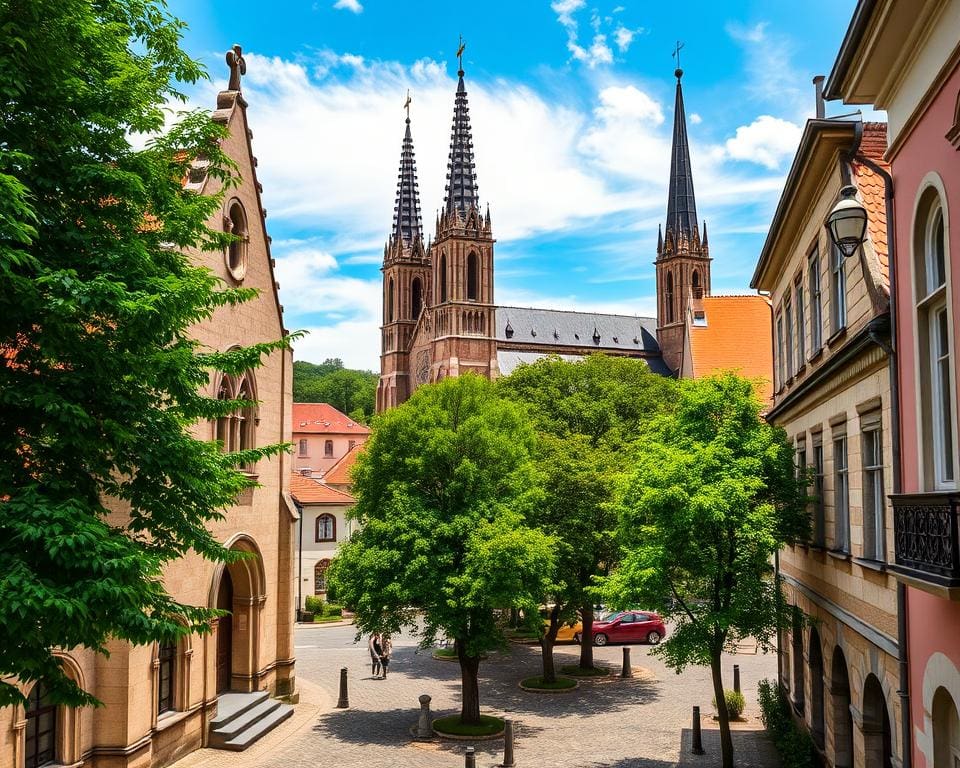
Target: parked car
[629,627]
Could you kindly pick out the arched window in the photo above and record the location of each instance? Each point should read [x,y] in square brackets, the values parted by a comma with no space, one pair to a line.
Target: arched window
[934,323]
[695,282]
[390,301]
[166,671]
[236,225]
[326,528]
[40,746]
[416,291]
[669,297]
[443,277]
[320,577]
[473,276]
[328,449]
[225,392]
[236,431]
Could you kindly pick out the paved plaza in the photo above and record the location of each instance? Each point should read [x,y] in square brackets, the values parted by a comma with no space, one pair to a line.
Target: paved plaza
[612,723]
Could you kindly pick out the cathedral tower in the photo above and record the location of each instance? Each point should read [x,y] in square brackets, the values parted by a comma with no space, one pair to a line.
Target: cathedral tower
[683,257]
[406,281]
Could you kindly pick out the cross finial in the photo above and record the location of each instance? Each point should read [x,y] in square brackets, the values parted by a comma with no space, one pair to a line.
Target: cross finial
[406,105]
[238,66]
[676,54]
[460,50]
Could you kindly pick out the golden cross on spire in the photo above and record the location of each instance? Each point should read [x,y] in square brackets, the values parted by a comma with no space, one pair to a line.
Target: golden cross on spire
[460,50]
[406,105]
[676,53]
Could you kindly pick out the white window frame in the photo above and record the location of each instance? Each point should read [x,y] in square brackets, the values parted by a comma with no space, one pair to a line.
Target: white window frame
[841,492]
[838,290]
[801,321]
[788,333]
[819,486]
[781,378]
[816,300]
[874,500]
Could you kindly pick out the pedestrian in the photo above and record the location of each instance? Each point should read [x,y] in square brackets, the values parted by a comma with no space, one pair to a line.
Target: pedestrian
[386,647]
[376,651]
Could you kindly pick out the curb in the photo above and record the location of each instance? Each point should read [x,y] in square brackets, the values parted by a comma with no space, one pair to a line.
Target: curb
[571,689]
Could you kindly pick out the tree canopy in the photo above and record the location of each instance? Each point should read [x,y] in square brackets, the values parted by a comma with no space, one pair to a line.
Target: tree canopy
[101,481]
[714,495]
[444,489]
[350,391]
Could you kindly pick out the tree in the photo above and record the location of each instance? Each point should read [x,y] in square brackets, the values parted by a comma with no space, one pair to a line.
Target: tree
[101,481]
[351,391]
[589,413]
[443,491]
[714,495]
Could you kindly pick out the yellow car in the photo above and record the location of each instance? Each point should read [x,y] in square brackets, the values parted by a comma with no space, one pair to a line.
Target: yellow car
[567,632]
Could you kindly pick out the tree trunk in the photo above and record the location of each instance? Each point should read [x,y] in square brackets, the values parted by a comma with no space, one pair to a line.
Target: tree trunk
[514,618]
[586,636]
[546,646]
[726,743]
[469,687]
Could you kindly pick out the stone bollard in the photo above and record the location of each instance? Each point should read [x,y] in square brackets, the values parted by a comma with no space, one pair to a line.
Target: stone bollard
[736,678]
[507,745]
[470,759]
[344,701]
[627,670]
[424,729]
[697,746]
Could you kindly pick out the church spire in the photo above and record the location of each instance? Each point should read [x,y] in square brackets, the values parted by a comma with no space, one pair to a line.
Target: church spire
[407,224]
[681,205]
[461,171]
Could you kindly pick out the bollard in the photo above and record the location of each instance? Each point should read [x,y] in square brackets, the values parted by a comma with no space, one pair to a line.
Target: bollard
[736,678]
[697,746]
[344,701]
[627,670]
[424,730]
[507,745]
[470,759]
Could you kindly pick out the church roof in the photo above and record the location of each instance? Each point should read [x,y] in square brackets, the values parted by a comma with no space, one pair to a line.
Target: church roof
[734,335]
[461,172]
[407,224]
[323,418]
[681,205]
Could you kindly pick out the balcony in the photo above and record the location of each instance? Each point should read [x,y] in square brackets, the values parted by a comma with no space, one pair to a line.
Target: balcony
[927,541]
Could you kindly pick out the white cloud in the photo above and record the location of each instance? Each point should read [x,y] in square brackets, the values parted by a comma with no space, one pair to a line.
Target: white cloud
[623,37]
[350,5]
[767,141]
[695,118]
[598,52]
[744,34]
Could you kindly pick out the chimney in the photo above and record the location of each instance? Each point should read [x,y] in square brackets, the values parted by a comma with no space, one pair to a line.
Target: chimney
[818,84]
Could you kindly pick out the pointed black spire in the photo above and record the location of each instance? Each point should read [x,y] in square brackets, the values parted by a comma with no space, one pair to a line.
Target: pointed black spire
[407,225]
[461,172]
[681,205]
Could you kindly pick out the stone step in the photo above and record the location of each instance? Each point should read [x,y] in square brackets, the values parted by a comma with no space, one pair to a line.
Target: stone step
[261,727]
[241,722]
[231,705]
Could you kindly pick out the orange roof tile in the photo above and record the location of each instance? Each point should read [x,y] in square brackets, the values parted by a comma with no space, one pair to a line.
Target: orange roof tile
[737,337]
[324,418]
[339,473]
[307,490]
[873,145]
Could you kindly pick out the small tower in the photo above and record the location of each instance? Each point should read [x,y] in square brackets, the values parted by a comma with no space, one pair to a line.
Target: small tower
[462,259]
[406,281]
[683,257]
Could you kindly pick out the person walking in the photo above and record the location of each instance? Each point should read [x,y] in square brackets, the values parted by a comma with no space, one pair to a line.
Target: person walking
[376,652]
[386,648]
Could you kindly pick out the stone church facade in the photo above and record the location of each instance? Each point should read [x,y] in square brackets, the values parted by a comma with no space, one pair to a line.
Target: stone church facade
[440,316]
[162,702]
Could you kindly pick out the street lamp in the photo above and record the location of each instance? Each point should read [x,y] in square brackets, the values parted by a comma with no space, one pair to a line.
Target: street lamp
[847,221]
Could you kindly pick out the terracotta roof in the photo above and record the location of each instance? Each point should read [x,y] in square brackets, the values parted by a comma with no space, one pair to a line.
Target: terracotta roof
[308,490]
[339,473]
[737,337]
[873,145]
[324,418]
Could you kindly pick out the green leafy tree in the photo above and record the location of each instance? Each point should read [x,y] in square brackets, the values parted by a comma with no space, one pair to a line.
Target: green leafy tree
[714,495]
[589,412]
[350,391]
[443,491]
[101,481]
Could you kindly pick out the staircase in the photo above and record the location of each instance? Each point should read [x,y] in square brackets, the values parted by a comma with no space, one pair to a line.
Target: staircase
[242,718]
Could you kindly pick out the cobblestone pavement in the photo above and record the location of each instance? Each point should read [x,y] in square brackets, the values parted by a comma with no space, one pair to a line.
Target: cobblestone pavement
[639,723]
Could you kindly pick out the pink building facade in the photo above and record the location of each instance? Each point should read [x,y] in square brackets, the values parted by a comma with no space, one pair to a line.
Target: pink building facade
[903,56]
[322,436]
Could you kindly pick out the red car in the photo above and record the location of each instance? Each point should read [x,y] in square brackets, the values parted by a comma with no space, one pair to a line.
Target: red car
[629,627]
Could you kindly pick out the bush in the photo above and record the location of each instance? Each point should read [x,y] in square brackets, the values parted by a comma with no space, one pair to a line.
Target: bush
[332,610]
[314,604]
[793,743]
[735,703]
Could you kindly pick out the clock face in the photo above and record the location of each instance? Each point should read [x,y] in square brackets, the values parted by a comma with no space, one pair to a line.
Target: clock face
[423,366]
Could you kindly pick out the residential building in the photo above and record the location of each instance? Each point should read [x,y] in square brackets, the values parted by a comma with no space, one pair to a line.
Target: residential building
[163,701]
[322,436]
[903,56]
[840,660]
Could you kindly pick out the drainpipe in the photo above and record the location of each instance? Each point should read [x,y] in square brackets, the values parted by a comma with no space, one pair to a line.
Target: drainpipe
[895,447]
[299,507]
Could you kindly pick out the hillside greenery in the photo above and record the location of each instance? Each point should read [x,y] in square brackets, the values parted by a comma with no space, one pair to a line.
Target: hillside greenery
[351,391]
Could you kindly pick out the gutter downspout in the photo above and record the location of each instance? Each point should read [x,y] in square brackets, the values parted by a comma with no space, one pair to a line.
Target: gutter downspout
[895,447]
[299,507]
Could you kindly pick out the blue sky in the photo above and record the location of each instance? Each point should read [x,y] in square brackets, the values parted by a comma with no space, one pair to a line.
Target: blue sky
[572,108]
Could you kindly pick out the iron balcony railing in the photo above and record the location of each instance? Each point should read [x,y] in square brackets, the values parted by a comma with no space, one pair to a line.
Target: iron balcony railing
[927,538]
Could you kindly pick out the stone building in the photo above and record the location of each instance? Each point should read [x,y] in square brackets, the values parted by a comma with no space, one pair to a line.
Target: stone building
[323,436]
[440,316]
[832,395]
[903,56]
[162,702]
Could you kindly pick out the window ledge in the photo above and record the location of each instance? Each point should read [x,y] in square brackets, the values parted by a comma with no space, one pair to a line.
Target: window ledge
[171,718]
[837,554]
[815,356]
[800,370]
[837,336]
[872,565]
[817,547]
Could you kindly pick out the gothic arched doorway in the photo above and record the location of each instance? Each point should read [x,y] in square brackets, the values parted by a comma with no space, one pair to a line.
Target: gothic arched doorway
[877,738]
[842,719]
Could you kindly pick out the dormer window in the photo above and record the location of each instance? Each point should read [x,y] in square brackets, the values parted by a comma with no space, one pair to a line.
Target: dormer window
[699,318]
